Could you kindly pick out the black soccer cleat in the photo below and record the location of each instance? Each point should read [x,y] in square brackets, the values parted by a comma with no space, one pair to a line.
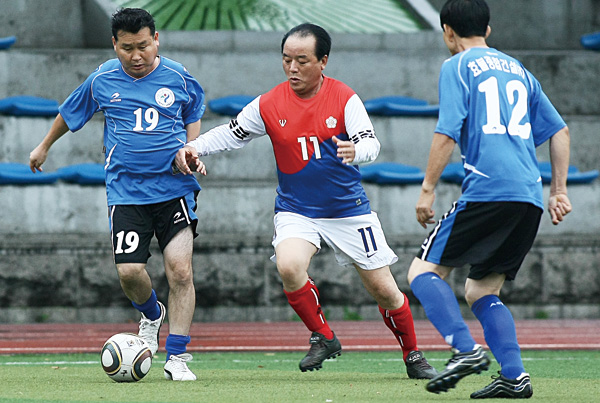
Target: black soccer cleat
[320,350]
[519,388]
[459,366]
[417,366]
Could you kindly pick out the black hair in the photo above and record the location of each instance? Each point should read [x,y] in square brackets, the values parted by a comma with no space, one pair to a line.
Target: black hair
[466,17]
[131,20]
[323,40]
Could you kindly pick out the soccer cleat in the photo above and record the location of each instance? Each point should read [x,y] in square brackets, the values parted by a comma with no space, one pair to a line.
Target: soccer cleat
[417,366]
[320,350]
[519,388]
[176,368]
[150,329]
[459,366]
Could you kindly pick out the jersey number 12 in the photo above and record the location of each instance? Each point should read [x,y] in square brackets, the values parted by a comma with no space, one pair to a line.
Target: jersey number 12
[492,100]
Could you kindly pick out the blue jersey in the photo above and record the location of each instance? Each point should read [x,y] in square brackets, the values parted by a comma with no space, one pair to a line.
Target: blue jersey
[144,127]
[498,114]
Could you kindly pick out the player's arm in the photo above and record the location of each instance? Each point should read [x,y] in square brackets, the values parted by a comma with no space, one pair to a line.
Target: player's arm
[559,204]
[38,156]
[231,136]
[193,130]
[441,150]
[363,146]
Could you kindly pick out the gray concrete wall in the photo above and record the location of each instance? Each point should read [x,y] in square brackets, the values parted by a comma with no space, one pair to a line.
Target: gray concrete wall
[540,24]
[55,260]
[570,78]
[72,279]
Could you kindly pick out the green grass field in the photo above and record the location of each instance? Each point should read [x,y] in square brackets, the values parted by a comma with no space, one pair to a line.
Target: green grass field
[557,376]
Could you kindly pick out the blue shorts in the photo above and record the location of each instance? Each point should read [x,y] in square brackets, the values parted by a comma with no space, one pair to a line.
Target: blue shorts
[133,226]
[488,236]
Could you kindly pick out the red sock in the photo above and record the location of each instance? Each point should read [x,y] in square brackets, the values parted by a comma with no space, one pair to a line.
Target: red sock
[400,322]
[305,302]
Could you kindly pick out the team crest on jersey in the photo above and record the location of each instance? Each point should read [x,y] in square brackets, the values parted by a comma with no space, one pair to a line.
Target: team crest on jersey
[331,122]
[164,97]
[282,122]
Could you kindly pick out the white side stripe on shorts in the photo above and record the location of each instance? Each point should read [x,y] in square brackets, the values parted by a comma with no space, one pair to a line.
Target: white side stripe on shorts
[429,240]
[184,208]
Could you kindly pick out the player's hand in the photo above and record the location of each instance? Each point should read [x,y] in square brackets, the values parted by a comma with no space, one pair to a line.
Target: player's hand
[424,212]
[559,206]
[187,161]
[345,151]
[36,158]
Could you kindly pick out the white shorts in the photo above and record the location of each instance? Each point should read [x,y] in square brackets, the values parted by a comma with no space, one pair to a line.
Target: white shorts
[355,240]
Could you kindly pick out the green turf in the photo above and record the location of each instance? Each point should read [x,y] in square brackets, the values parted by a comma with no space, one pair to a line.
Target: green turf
[557,376]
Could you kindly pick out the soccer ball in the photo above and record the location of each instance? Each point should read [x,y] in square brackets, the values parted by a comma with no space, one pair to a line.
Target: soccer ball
[126,357]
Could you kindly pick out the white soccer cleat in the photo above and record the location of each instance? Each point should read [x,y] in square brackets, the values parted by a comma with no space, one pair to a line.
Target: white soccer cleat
[150,329]
[176,368]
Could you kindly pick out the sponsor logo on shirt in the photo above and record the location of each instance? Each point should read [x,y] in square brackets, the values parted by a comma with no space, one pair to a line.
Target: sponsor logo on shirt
[116,97]
[164,97]
[282,122]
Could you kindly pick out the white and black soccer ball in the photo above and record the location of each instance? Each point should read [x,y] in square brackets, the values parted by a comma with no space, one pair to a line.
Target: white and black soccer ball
[126,357]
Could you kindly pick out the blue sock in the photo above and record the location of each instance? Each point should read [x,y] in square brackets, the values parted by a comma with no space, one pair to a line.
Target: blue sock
[176,344]
[500,334]
[149,308]
[441,307]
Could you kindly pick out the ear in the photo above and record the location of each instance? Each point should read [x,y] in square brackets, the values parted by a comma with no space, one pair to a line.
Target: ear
[114,41]
[324,62]
[449,32]
[156,38]
[488,31]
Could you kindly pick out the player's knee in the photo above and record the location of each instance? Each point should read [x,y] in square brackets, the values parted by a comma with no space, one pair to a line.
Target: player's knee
[388,297]
[474,294]
[181,275]
[130,272]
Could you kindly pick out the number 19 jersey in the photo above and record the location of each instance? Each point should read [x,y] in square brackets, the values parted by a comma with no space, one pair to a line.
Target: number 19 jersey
[144,127]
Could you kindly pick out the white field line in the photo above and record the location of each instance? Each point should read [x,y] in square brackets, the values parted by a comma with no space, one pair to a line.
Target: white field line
[355,347]
[238,361]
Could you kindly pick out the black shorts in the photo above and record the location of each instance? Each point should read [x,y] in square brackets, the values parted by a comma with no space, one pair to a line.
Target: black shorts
[133,226]
[488,236]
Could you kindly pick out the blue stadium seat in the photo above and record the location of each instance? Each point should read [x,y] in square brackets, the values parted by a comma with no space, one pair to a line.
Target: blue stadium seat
[7,42]
[391,173]
[574,176]
[591,41]
[230,105]
[453,173]
[12,173]
[26,105]
[83,174]
[400,106]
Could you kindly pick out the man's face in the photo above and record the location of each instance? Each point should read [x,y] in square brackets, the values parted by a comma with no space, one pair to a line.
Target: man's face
[137,52]
[302,68]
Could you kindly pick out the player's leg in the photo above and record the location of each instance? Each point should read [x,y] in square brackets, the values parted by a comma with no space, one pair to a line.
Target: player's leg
[448,245]
[439,302]
[295,245]
[396,313]
[482,293]
[175,223]
[181,303]
[441,307]
[131,232]
[500,335]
